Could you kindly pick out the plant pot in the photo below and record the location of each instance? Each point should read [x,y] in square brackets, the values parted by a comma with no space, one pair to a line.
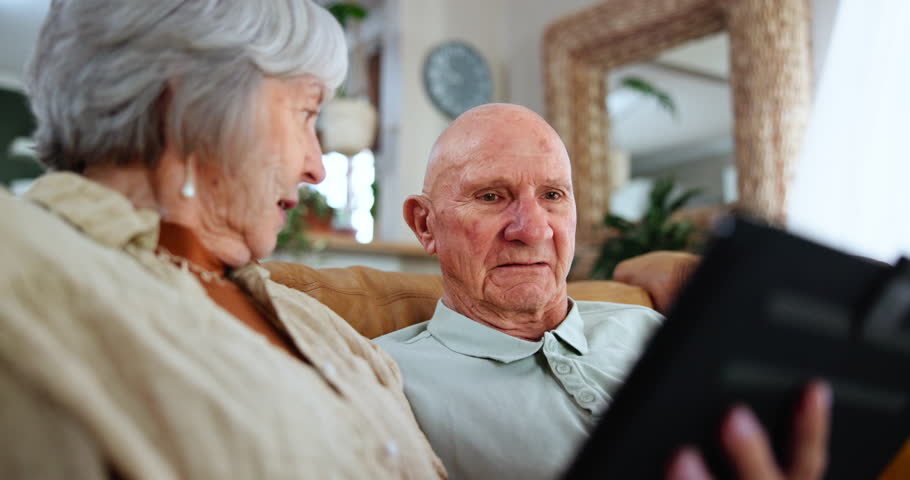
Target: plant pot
[318,223]
[348,125]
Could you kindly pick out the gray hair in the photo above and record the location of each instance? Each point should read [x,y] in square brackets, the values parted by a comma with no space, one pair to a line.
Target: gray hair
[102,68]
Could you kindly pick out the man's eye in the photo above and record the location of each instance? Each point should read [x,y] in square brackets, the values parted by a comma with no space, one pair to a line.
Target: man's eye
[308,114]
[489,197]
[552,195]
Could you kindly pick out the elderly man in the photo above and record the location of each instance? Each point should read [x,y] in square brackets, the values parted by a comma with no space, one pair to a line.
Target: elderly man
[510,375]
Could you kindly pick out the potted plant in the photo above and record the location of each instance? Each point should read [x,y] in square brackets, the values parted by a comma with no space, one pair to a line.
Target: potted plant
[312,214]
[315,211]
[655,231]
[348,122]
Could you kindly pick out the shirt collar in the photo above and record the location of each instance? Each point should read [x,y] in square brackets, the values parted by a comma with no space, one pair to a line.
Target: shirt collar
[467,337]
[109,218]
[572,330]
[101,213]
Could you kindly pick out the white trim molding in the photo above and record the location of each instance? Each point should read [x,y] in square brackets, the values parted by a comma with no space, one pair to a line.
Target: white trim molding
[11,81]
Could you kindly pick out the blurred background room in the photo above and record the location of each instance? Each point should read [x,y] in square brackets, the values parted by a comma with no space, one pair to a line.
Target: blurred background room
[673,112]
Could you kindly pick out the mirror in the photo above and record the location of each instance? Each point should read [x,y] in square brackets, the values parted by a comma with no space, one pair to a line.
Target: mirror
[769,81]
[672,116]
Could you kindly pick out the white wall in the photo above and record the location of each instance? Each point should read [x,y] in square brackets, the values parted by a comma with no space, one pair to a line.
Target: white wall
[20,22]
[704,111]
[424,24]
[823,15]
[508,33]
[706,174]
[525,23]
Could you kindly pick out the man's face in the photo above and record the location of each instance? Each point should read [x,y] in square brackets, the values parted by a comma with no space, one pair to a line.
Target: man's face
[503,221]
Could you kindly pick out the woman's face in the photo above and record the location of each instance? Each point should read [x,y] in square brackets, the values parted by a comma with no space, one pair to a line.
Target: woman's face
[250,197]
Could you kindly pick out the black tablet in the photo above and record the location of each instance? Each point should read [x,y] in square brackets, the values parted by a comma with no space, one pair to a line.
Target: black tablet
[765,312]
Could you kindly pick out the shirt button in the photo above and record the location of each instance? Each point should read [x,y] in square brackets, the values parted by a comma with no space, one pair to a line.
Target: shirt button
[329,370]
[563,369]
[586,397]
[391,449]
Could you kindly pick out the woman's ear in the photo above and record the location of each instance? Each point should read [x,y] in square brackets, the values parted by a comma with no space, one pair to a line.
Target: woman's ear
[417,213]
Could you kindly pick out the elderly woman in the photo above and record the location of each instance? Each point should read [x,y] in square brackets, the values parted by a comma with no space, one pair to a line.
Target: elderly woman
[137,339]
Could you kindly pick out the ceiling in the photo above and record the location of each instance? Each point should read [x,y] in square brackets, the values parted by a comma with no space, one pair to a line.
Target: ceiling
[707,55]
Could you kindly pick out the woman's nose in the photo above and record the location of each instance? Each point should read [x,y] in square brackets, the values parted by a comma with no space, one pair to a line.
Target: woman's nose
[313,168]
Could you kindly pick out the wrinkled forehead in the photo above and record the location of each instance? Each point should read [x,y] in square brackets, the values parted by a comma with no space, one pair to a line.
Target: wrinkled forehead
[497,142]
[526,164]
[516,162]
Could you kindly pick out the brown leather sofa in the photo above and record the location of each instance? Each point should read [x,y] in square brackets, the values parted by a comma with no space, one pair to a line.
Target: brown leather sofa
[375,302]
[396,300]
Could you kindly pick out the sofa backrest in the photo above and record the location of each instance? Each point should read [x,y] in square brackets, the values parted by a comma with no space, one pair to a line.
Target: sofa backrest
[375,302]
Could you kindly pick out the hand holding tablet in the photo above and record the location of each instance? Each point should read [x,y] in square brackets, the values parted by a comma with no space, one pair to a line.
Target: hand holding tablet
[764,315]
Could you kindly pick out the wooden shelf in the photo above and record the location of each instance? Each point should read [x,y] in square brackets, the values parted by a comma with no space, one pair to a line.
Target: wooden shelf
[344,243]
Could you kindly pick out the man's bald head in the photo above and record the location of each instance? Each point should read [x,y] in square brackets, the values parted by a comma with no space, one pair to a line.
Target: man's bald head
[485,130]
[498,211]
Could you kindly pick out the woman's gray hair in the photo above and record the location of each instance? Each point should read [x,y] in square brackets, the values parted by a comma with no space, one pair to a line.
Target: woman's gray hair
[104,69]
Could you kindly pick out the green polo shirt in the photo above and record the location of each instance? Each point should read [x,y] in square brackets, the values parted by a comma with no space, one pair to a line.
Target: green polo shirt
[497,407]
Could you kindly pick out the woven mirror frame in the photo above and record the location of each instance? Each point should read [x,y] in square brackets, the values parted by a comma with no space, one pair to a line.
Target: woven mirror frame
[770,78]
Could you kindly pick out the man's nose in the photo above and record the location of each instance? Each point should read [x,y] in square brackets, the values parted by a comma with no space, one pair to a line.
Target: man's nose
[529,223]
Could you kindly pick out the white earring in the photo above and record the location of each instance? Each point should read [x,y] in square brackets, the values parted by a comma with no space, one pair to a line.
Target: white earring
[189,188]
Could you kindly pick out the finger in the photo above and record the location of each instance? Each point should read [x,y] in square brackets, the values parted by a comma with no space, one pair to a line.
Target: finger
[811,429]
[748,447]
[688,465]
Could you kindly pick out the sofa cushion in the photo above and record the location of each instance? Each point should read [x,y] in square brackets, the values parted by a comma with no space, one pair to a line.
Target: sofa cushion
[375,302]
[372,301]
[609,291]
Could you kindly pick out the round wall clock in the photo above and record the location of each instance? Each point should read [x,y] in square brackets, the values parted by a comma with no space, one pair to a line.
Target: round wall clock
[457,78]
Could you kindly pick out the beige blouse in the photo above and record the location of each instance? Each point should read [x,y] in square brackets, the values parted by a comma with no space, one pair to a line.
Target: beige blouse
[111,357]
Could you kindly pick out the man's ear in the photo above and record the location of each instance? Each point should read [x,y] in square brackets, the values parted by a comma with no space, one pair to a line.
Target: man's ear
[416,213]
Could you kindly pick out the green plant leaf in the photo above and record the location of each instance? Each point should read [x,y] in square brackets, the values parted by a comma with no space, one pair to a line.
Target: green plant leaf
[665,101]
[293,235]
[661,191]
[344,11]
[655,231]
[374,187]
[617,222]
[684,198]
[646,88]
[311,200]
